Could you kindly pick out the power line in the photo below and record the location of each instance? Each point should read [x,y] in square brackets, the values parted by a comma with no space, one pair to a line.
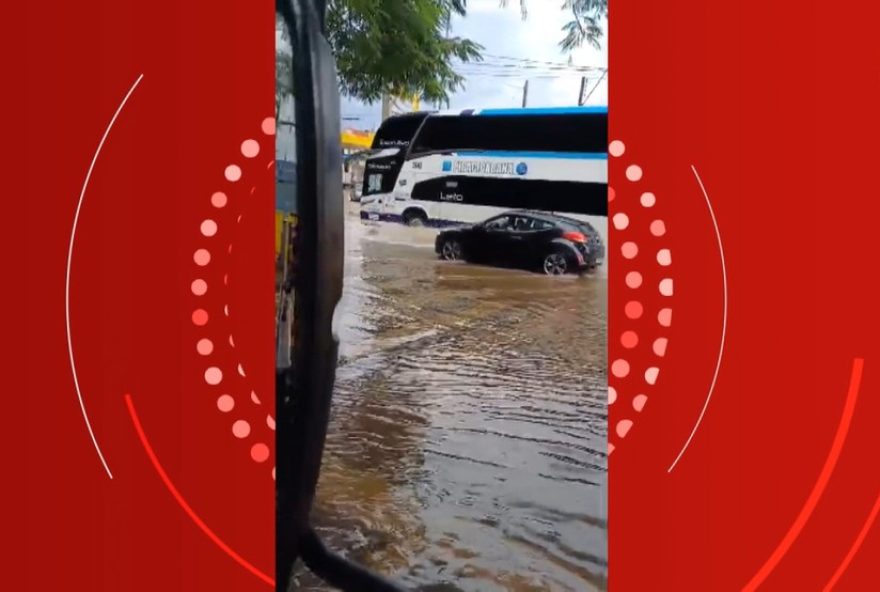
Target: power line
[521,76]
[595,87]
[531,61]
[477,69]
[502,66]
[477,74]
[528,71]
[499,67]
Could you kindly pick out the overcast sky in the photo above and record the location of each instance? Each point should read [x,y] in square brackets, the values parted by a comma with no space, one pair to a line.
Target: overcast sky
[503,33]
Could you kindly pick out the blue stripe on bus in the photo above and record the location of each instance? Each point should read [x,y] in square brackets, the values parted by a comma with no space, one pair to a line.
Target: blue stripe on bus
[518,154]
[545,111]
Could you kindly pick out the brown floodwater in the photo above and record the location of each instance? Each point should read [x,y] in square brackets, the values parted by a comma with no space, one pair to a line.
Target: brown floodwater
[467,445]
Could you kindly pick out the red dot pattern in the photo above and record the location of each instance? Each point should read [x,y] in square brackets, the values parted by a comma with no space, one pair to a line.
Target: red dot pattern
[210,231]
[644,266]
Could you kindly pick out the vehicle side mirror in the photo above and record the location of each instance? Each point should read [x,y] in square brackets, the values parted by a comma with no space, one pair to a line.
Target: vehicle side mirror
[308,293]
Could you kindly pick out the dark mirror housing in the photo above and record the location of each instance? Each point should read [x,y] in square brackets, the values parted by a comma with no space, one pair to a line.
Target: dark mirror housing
[304,385]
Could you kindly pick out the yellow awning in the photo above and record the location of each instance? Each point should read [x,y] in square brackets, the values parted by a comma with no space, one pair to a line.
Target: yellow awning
[356,139]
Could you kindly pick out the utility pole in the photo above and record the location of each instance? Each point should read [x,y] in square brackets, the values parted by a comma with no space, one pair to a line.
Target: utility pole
[583,90]
[386,106]
[525,93]
[604,74]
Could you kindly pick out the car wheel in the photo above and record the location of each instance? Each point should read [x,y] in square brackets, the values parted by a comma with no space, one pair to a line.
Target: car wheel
[556,263]
[414,218]
[451,250]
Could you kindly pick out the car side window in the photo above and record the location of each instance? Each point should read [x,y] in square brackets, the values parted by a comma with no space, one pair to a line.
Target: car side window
[522,224]
[501,223]
[542,225]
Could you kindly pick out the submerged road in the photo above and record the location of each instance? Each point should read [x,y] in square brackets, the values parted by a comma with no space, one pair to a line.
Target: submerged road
[467,443]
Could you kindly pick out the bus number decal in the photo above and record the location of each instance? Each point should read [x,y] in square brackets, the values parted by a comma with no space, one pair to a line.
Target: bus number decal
[485,167]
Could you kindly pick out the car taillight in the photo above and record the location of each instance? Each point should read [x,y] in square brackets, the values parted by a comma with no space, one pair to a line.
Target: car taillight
[575,237]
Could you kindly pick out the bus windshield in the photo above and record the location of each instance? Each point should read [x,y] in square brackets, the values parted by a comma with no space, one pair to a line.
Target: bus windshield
[398,131]
[380,171]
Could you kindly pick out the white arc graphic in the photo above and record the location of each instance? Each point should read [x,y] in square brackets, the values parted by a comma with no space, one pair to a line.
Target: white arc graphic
[82,195]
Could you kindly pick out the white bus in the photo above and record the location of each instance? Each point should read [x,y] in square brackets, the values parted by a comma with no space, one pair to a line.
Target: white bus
[468,166]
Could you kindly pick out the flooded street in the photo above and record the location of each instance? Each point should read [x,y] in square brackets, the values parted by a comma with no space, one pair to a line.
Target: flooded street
[467,444]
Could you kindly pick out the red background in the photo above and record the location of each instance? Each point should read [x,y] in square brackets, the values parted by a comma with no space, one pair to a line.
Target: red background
[775,105]
[67,524]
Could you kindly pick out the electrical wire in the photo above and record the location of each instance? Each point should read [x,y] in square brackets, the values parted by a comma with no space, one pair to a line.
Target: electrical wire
[587,98]
[532,61]
[522,76]
[505,67]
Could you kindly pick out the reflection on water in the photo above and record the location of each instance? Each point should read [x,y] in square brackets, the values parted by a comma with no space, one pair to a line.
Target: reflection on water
[467,445]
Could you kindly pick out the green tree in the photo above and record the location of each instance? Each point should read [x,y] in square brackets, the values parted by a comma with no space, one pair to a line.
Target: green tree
[283,65]
[400,47]
[588,16]
[403,47]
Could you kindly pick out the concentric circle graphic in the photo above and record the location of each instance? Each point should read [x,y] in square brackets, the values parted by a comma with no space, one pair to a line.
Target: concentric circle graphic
[211,232]
[638,348]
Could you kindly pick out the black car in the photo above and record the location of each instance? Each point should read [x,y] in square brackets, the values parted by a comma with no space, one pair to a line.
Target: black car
[532,240]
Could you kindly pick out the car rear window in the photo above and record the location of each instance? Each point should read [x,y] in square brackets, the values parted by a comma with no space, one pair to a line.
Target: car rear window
[542,224]
[577,225]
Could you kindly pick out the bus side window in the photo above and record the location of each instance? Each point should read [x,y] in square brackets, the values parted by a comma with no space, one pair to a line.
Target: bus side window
[374,183]
[565,133]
